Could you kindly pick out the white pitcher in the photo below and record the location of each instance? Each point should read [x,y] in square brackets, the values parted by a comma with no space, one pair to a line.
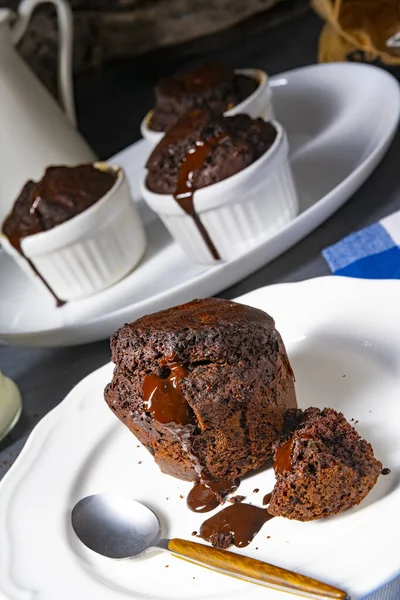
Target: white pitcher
[34,131]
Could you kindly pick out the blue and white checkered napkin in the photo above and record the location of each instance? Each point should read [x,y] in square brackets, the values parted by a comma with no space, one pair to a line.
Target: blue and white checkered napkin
[372,253]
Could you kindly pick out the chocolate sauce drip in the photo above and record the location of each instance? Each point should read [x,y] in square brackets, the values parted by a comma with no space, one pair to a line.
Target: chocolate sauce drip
[163,397]
[16,228]
[207,495]
[62,193]
[267,498]
[185,188]
[58,300]
[385,471]
[237,524]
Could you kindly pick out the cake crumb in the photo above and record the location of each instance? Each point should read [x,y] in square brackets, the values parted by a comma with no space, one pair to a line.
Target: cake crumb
[194,532]
[139,462]
[268,537]
[221,540]
[236,499]
[255,491]
[181,496]
[166,566]
[343,375]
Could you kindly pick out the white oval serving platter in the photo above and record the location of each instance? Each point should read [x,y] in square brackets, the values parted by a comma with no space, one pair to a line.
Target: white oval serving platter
[340,119]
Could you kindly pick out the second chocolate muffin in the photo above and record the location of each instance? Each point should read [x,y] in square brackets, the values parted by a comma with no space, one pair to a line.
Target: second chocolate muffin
[204,386]
[236,142]
[211,85]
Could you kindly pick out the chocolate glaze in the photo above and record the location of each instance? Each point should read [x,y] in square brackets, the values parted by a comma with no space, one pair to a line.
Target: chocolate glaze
[185,189]
[237,524]
[207,495]
[61,194]
[246,140]
[163,397]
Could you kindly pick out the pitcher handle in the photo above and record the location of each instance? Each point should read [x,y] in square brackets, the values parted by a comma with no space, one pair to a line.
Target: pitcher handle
[65,32]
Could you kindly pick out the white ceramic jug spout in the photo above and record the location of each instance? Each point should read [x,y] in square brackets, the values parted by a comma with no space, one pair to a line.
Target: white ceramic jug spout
[34,131]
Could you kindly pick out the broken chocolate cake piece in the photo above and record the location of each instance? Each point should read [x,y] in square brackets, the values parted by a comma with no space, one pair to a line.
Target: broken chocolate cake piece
[323,466]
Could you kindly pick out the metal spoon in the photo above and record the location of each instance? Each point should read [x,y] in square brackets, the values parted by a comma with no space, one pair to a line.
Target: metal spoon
[119,527]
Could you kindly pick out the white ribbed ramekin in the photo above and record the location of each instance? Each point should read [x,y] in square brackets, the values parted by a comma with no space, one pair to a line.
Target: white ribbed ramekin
[258,104]
[238,212]
[91,251]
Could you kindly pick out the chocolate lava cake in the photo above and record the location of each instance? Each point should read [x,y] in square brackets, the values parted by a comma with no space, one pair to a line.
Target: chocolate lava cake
[62,193]
[204,386]
[323,467]
[234,144]
[212,86]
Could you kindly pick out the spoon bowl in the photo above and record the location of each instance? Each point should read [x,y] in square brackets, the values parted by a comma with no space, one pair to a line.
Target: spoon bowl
[115,526]
[118,527]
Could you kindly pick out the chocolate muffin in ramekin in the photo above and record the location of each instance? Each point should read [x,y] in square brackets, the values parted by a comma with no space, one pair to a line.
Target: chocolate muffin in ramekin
[76,231]
[221,185]
[213,86]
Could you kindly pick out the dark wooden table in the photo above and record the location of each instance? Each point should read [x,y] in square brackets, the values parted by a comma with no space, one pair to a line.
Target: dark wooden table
[110,106]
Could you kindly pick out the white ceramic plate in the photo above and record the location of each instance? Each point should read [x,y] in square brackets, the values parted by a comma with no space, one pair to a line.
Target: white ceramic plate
[340,119]
[343,340]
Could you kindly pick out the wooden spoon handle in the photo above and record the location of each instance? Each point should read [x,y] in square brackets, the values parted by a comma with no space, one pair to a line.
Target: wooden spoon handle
[254,570]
